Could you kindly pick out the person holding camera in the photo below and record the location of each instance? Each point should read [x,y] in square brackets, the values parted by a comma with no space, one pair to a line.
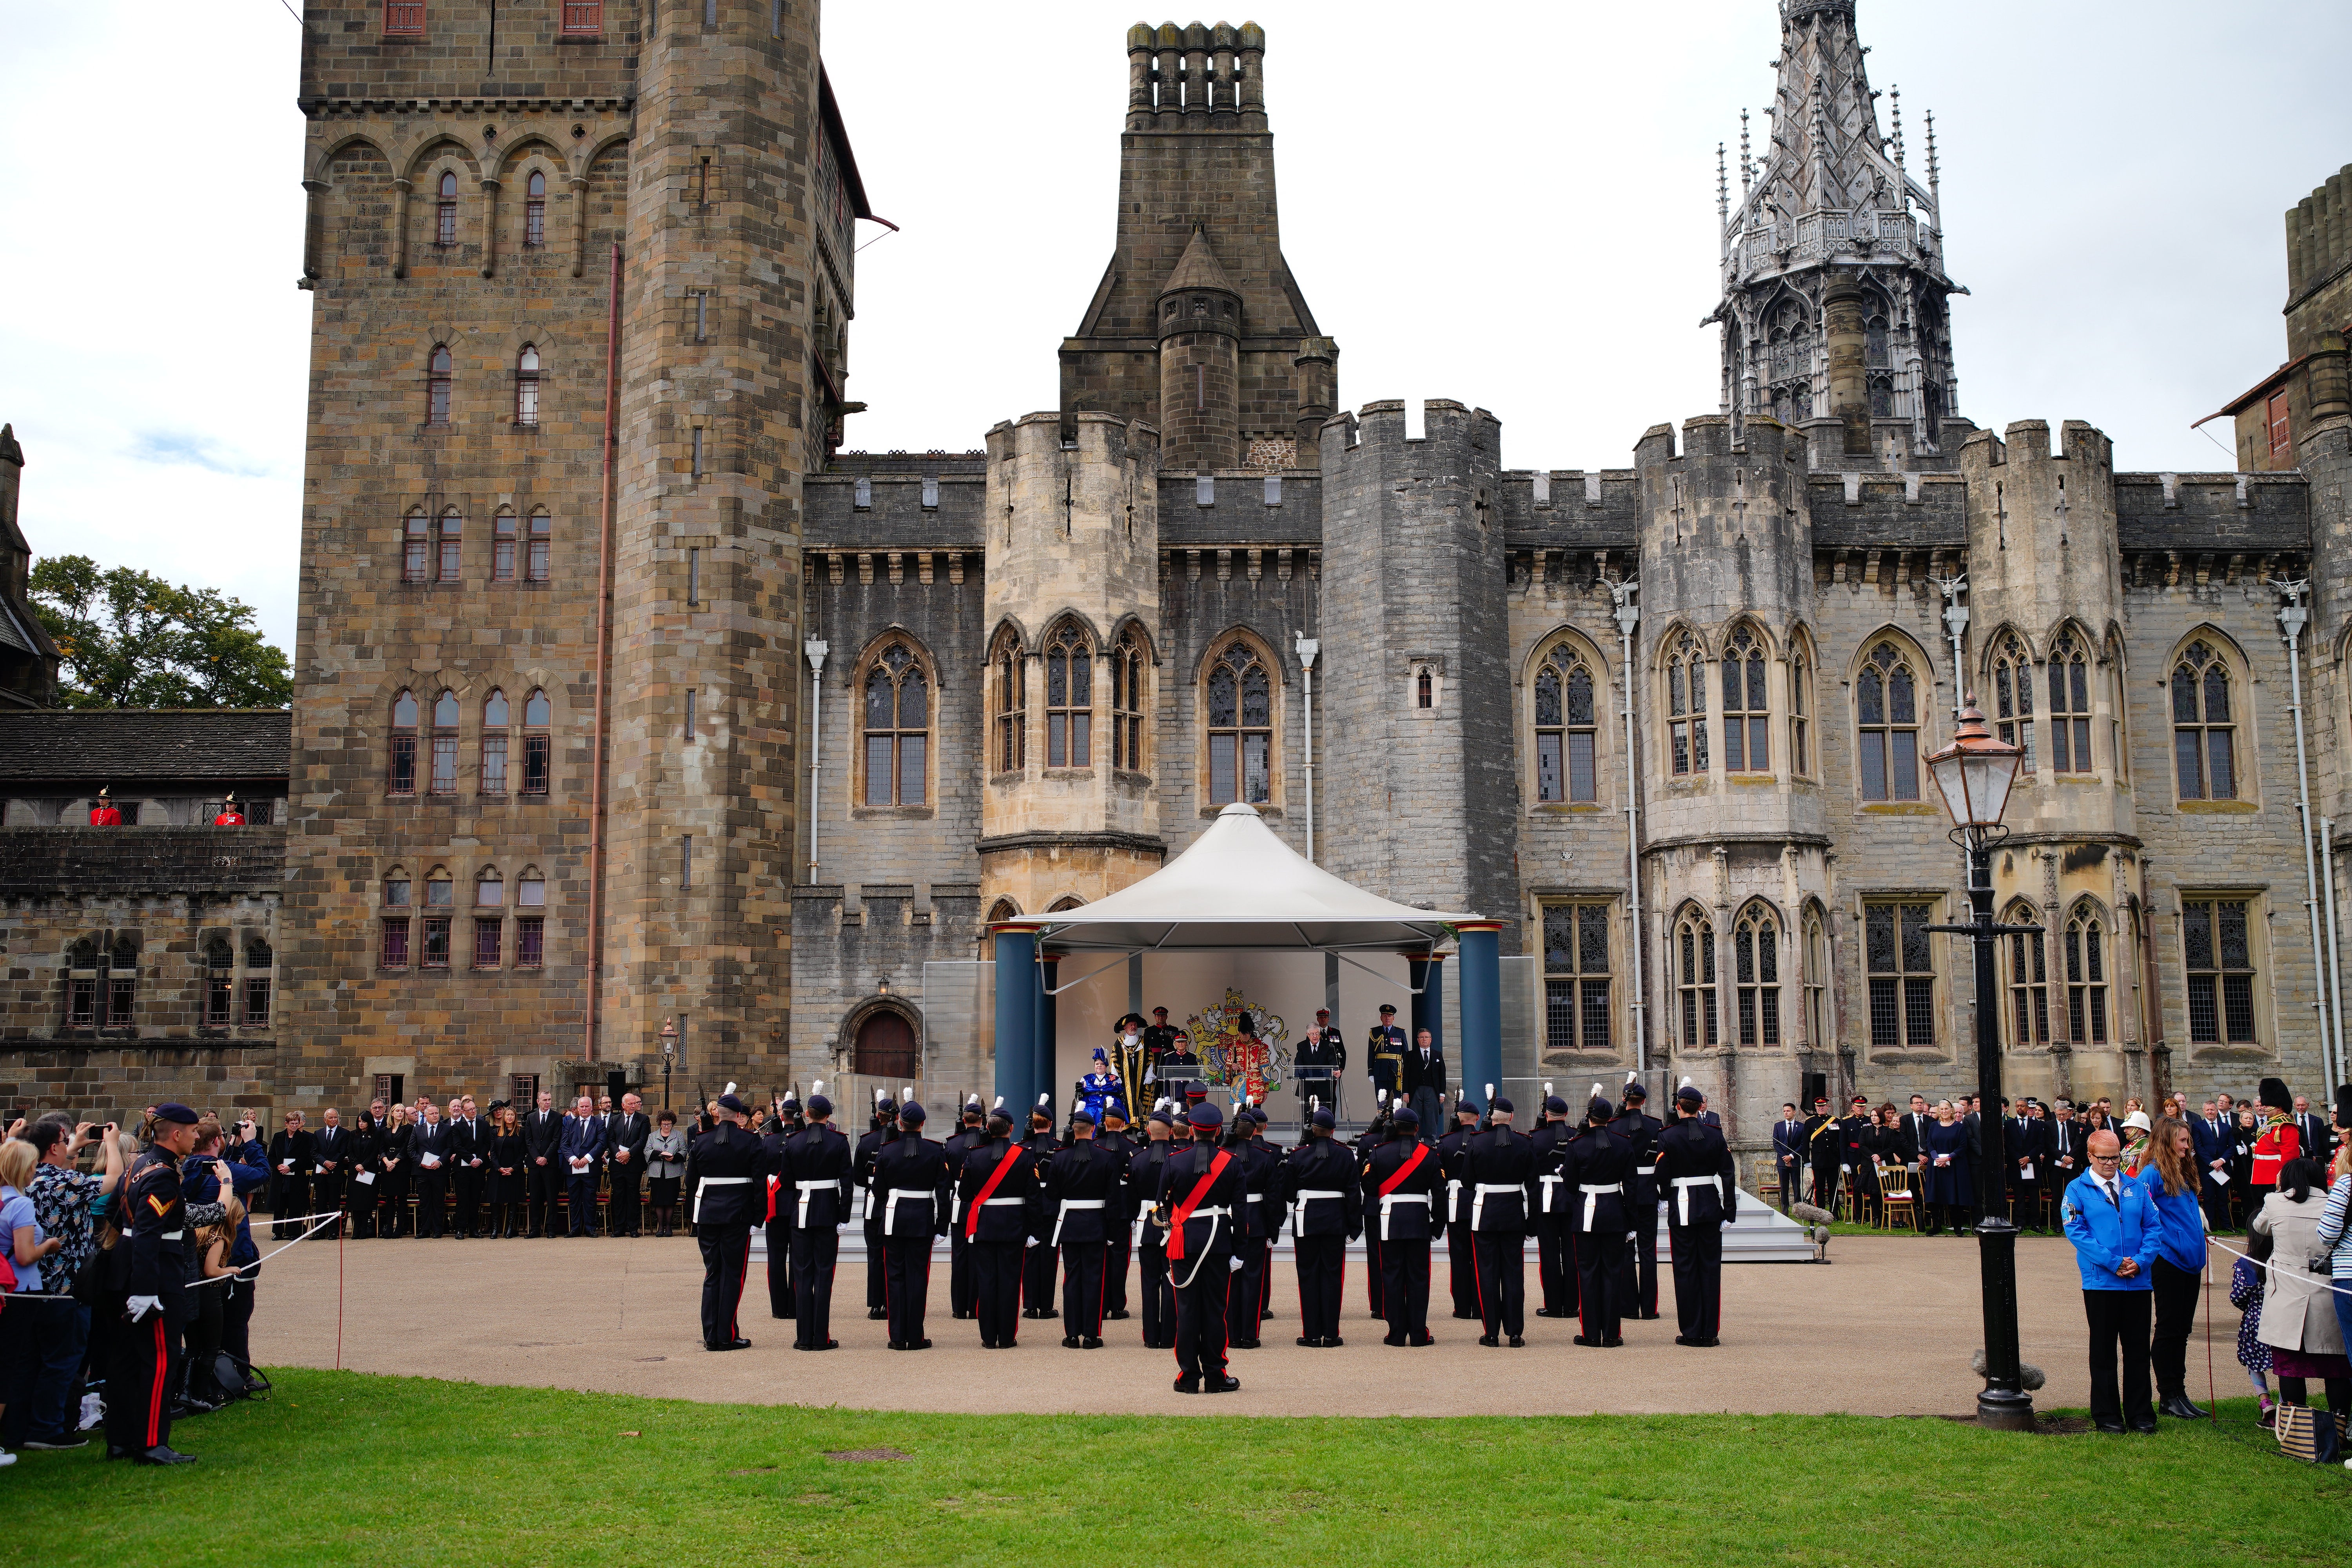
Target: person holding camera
[2299,1320]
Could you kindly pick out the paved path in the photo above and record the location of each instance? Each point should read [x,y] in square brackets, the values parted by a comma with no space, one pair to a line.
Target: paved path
[1887,1329]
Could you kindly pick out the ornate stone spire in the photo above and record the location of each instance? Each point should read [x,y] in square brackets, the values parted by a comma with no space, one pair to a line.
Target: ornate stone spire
[1833,207]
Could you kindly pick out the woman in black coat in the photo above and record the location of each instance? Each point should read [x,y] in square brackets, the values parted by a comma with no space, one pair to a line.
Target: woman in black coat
[509,1177]
[1944,1175]
[366,1173]
[399,1169]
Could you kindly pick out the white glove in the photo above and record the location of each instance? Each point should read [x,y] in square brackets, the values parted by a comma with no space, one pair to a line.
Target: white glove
[142,1305]
[1232,1262]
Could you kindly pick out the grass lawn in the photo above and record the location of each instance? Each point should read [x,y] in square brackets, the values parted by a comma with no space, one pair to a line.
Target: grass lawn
[343,1467]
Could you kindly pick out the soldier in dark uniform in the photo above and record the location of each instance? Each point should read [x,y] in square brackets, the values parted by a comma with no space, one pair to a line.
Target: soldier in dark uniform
[1037,1263]
[1695,1171]
[1082,1183]
[1825,1151]
[1119,1220]
[911,1189]
[883,1129]
[1143,1170]
[1246,1300]
[1403,1183]
[995,1192]
[729,1196]
[1461,1278]
[1384,1054]
[816,1182]
[1180,1060]
[1159,1039]
[1320,1186]
[145,1370]
[1641,1129]
[1323,1046]
[1375,1133]
[1200,1189]
[1273,1205]
[965,1138]
[1595,1166]
[1498,1169]
[1555,1247]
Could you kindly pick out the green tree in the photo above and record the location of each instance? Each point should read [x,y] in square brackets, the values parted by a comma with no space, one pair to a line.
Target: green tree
[130,639]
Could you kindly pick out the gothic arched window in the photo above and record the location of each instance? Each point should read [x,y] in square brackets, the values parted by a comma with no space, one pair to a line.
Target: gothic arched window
[220,983]
[1239,705]
[1756,965]
[1686,707]
[1126,663]
[1069,698]
[494,743]
[897,729]
[503,546]
[534,209]
[437,371]
[415,546]
[2012,695]
[401,771]
[1695,978]
[1815,965]
[444,225]
[1746,723]
[541,542]
[2204,730]
[2086,977]
[453,546]
[538,743]
[444,777]
[527,386]
[2070,706]
[2028,980]
[1886,712]
[1566,727]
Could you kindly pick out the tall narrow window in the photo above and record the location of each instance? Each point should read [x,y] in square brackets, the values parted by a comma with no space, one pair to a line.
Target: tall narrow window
[1576,977]
[392,951]
[527,386]
[444,744]
[257,959]
[690,732]
[1756,965]
[1886,710]
[897,729]
[453,546]
[2070,707]
[437,386]
[1801,711]
[416,547]
[1747,732]
[490,920]
[1567,732]
[220,983]
[1069,700]
[2012,696]
[2029,982]
[1686,707]
[534,200]
[494,744]
[2280,429]
[701,315]
[543,538]
[81,986]
[696,467]
[1012,709]
[1424,690]
[1694,970]
[536,743]
[2204,733]
[445,210]
[1127,705]
[400,775]
[1239,709]
[2086,978]
[502,547]
[2217,950]
[1902,974]
[120,984]
[686,860]
[531,923]
[694,576]
[403,18]
[1816,961]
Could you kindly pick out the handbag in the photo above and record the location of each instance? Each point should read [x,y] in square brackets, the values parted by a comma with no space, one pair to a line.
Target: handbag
[2305,1433]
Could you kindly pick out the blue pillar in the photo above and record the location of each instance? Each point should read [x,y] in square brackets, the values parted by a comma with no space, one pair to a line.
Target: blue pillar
[1017,1018]
[1427,977]
[1482,1008]
[1042,1074]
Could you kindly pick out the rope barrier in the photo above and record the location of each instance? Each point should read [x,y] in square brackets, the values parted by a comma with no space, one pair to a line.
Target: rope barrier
[2335,1287]
[324,1221]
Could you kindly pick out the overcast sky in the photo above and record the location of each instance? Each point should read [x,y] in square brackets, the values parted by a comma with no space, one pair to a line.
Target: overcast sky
[1511,205]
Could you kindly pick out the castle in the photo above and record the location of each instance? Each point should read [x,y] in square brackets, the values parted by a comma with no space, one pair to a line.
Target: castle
[636,721]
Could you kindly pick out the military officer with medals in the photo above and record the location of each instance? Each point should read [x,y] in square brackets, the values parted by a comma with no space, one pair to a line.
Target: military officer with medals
[1696,1173]
[1384,1055]
[910,1188]
[1555,1249]
[1825,1152]
[1200,1189]
[1319,1183]
[1403,1183]
[1143,1171]
[144,1376]
[729,1197]
[1641,1129]
[1159,1039]
[816,1180]
[1595,1166]
[1323,1046]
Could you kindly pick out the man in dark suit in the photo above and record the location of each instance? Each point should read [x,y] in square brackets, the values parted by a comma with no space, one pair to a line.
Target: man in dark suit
[331,1151]
[626,1133]
[291,1155]
[431,1150]
[2318,1138]
[542,1136]
[1424,1080]
[470,1160]
[2029,1167]
[581,1149]
[2209,1133]
[1789,1153]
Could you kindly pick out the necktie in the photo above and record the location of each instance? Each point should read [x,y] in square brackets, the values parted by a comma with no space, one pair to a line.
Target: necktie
[2112,1196]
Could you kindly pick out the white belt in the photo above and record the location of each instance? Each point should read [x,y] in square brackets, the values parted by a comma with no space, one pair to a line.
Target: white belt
[1387,1199]
[1592,1198]
[1683,1185]
[1453,1197]
[172,1234]
[1000,1202]
[1651,1170]
[706,1183]
[1549,1183]
[867,1212]
[1063,1212]
[1208,1214]
[1299,1207]
[890,1209]
[805,1189]
[1479,1198]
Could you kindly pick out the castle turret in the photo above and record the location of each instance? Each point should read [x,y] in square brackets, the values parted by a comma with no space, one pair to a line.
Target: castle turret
[1199,332]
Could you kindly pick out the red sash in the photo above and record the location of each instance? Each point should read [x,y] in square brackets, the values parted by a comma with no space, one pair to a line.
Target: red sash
[773,1181]
[1193,1201]
[1411,1163]
[988,1190]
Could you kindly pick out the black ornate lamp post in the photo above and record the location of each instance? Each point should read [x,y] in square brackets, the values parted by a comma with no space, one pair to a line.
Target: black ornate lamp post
[669,1056]
[1974,775]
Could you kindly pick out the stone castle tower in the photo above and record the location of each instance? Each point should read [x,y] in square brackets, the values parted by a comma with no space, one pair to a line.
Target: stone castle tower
[582,281]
